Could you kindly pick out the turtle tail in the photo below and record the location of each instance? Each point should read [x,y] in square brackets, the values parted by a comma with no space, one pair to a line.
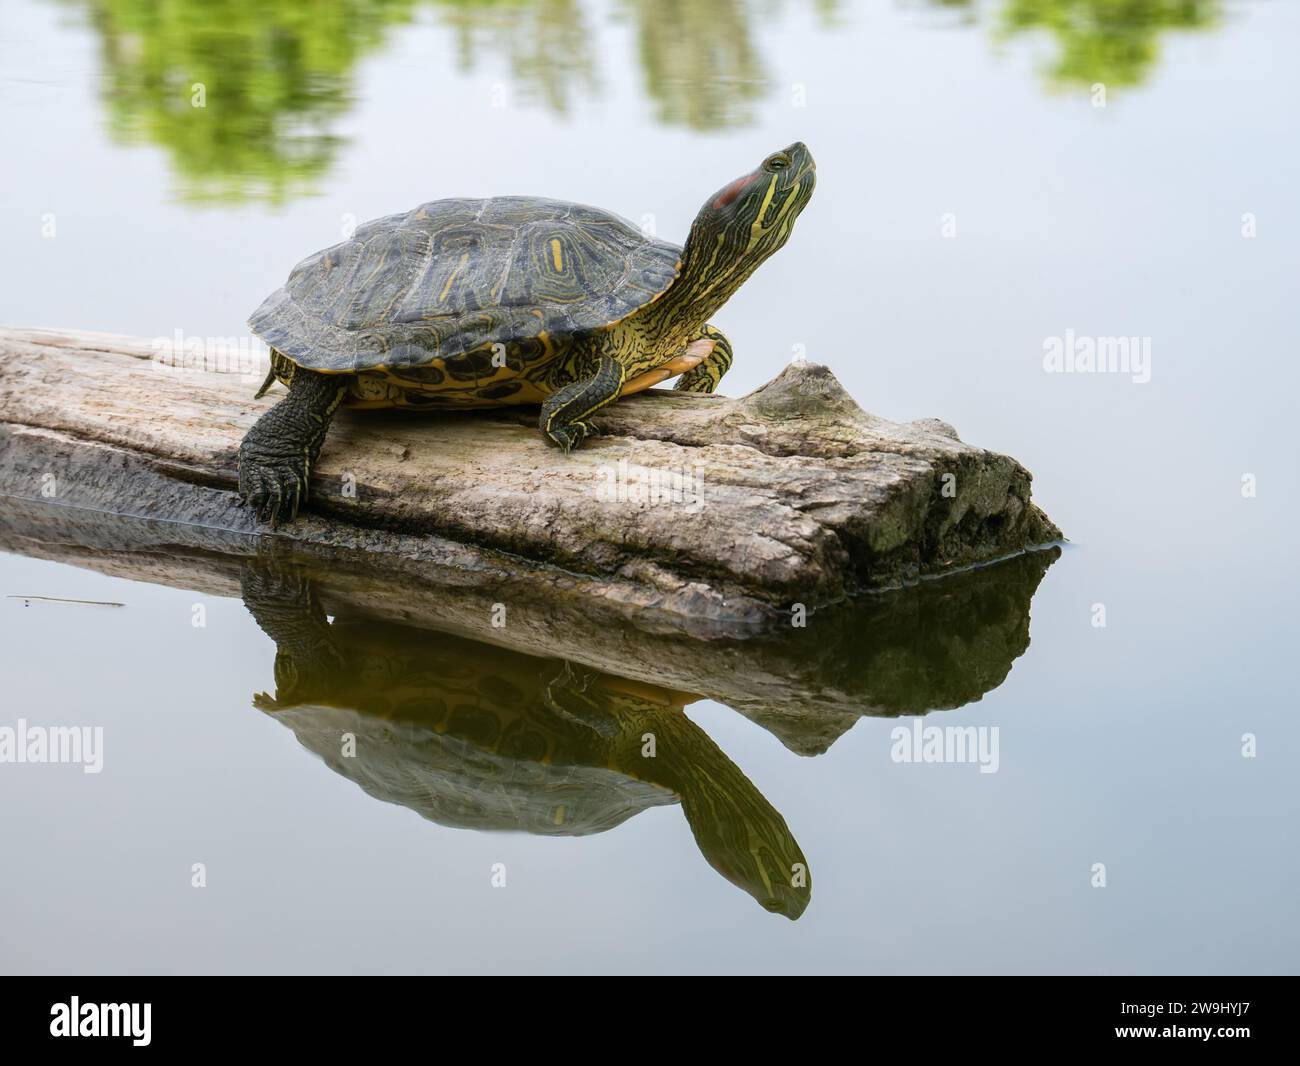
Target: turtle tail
[270,380]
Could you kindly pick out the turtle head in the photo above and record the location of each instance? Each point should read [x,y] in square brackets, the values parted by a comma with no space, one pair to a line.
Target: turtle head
[739,833]
[748,219]
[746,840]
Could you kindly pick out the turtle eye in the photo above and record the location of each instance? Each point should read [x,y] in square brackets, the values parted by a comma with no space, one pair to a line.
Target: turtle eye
[778,162]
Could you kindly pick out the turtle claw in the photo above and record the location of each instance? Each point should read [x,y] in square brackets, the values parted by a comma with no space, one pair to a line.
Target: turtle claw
[274,489]
[570,436]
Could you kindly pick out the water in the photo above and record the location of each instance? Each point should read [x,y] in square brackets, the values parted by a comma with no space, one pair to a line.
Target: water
[1119,745]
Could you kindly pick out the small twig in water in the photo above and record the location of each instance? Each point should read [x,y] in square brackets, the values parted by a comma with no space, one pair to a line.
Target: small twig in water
[60,599]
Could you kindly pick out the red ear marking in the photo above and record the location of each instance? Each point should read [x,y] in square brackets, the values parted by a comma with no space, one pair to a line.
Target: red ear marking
[732,191]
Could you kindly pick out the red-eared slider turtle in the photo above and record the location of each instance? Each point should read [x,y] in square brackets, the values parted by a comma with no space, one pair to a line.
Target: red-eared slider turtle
[474,736]
[513,300]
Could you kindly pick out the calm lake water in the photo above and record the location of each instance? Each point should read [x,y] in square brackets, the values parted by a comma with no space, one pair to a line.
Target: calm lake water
[991,176]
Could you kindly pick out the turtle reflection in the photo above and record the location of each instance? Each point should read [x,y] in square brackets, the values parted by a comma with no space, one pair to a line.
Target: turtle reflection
[474,736]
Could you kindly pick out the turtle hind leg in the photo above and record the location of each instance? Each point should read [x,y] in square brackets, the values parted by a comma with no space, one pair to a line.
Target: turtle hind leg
[276,455]
[706,376]
[564,414]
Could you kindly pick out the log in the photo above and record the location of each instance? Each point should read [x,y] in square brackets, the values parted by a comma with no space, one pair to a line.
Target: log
[937,644]
[698,513]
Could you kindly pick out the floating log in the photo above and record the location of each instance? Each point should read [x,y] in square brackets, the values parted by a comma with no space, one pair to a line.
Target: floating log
[701,510]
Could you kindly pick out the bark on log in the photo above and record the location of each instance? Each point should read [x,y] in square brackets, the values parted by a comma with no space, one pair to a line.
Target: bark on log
[805,497]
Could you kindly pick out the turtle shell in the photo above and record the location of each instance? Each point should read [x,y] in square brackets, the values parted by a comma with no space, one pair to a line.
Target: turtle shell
[465,784]
[463,733]
[455,276]
[471,735]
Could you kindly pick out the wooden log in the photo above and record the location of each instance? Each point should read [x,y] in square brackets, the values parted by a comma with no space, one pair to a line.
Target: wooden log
[704,510]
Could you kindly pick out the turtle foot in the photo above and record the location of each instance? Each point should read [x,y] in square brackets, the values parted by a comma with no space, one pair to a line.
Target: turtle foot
[570,436]
[274,488]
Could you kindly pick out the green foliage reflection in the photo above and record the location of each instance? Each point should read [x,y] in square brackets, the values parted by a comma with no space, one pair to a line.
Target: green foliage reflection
[242,93]
[246,95]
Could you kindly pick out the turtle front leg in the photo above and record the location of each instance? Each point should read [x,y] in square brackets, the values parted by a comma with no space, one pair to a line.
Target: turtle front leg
[705,376]
[276,455]
[283,602]
[564,414]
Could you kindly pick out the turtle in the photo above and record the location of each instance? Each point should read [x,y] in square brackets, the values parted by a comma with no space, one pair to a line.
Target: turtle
[474,736]
[510,300]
